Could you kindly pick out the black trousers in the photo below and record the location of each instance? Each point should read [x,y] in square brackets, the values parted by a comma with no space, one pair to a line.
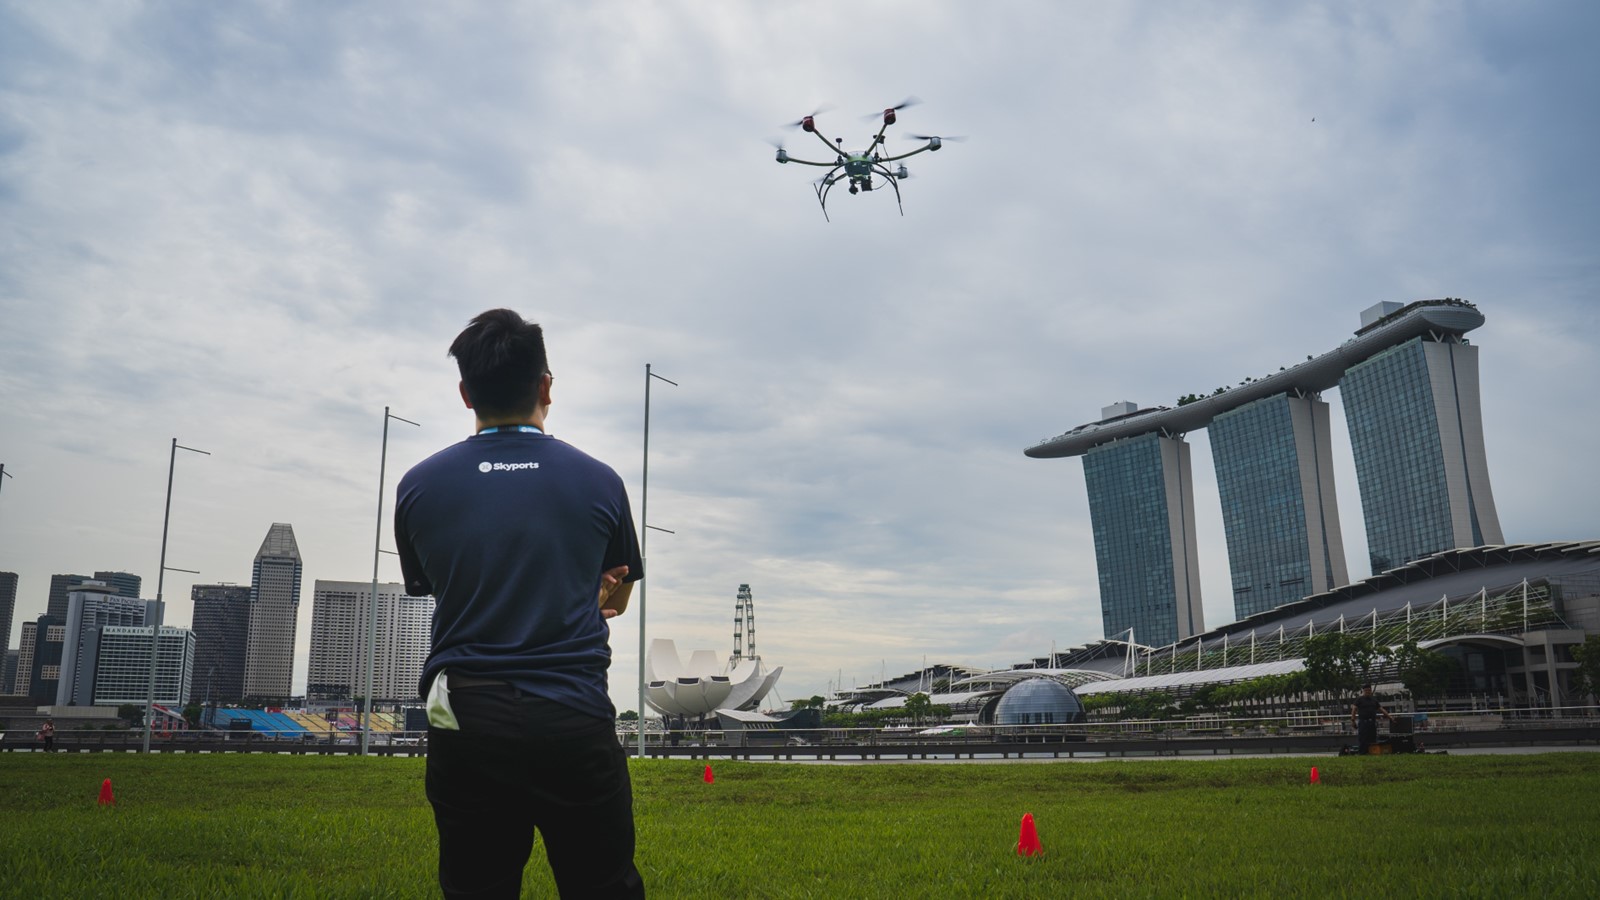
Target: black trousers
[1366,733]
[521,763]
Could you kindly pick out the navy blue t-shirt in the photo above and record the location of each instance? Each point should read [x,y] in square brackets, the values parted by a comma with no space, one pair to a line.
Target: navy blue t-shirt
[510,532]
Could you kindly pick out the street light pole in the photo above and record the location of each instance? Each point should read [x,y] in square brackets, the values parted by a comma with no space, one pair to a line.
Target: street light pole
[372,607]
[161,581]
[644,538]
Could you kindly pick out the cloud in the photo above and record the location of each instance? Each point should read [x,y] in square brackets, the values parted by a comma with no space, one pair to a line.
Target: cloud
[254,228]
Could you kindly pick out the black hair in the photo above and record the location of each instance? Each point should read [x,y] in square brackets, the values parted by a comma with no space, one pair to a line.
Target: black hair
[501,357]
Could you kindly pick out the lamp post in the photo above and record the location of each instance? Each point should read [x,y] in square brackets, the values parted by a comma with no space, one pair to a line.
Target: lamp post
[372,608]
[644,537]
[3,476]
[161,581]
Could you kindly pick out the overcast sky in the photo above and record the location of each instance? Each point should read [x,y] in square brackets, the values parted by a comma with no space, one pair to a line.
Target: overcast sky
[252,226]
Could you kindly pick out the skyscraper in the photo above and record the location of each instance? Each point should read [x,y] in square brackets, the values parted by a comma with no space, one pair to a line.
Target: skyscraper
[1274,463]
[274,609]
[1416,429]
[39,659]
[59,586]
[222,640]
[1141,506]
[1409,383]
[338,668]
[91,608]
[8,679]
[8,606]
[122,672]
[126,584]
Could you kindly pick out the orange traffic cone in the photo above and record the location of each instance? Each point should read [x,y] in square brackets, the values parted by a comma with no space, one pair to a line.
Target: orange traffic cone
[1315,778]
[1028,838]
[106,797]
[709,779]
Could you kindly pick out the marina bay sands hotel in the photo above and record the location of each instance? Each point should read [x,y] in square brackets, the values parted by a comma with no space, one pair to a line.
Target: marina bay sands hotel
[1408,382]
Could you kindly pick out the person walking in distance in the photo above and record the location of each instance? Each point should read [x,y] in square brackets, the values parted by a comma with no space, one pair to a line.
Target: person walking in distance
[47,734]
[528,546]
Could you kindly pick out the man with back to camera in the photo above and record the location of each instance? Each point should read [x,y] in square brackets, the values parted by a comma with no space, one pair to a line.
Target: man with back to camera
[528,546]
[1364,716]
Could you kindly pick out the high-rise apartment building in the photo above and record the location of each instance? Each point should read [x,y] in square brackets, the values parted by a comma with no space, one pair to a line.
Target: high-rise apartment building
[339,618]
[92,608]
[1274,464]
[222,640]
[1141,506]
[1409,385]
[1416,429]
[274,611]
[122,670]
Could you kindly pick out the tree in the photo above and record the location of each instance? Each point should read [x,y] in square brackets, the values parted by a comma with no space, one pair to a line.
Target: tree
[192,713]
[1425,673]
[1339,663]
[1586,678]
[918,706]
[132,713]
[627,715]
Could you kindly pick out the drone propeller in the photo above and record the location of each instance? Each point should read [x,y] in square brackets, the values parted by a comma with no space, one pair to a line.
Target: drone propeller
[958,138]
[804,119]
[888,113]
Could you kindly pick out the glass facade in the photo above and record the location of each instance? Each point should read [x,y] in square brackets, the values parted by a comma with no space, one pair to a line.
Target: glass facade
[1141,506]
[222,638]
[274,612]
[1417,435]
[1275,480]
[8,607]
[1038,701]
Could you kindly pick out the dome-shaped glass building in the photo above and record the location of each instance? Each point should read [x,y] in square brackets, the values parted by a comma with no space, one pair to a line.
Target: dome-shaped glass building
[1038,701]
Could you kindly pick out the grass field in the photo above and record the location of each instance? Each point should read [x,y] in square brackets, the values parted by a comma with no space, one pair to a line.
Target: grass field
[280,826]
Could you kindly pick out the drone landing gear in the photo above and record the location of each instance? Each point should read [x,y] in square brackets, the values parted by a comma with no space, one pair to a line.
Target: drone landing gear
[824,186]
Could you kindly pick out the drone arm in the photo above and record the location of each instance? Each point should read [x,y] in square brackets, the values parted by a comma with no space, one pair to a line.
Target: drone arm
[927,146]
[831,147]
[807,162]
[877,139]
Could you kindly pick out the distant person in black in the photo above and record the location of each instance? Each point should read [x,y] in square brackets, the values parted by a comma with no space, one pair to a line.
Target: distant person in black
[527,546]
[1364,717]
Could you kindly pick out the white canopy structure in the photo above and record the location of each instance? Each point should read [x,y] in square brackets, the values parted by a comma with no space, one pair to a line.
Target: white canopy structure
[704,685]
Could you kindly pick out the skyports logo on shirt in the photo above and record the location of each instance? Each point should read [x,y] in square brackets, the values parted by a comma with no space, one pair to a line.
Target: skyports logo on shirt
[487,467]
